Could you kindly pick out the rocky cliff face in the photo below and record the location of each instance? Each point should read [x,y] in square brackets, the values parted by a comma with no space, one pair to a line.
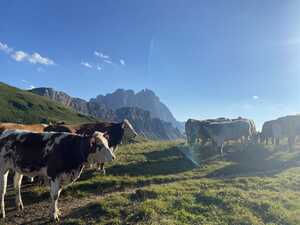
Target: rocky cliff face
[145,99]
[146,125]
[144,110]
[80,105]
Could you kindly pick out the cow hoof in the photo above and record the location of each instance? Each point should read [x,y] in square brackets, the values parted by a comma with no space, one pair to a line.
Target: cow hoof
[56,218]
[20,207]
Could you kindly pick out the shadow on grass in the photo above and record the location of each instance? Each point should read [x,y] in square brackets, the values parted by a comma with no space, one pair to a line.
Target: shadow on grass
[91,212]
[166,162]
[254,159]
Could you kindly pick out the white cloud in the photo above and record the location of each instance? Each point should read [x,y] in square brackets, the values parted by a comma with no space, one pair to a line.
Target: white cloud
[5,48]
[122,61]
[86,64]
[19,56]
[31,86]
[101,55]
[255,97]
[99,68]
[107,61]
[36,58]
[97,53]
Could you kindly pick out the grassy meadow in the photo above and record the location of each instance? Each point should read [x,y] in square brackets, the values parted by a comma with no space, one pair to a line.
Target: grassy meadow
[154,183]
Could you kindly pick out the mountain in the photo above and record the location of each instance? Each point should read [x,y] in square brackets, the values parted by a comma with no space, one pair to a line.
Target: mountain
[80,105]
[144,124]
[144,99]
[120,105]
[21,106]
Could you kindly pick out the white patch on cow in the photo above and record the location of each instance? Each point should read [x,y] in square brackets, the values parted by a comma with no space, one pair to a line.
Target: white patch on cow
[101,155]
[41,172]
[71,177]
[55,190]
[47,135]
[62,136]
[50,144]
[6,133]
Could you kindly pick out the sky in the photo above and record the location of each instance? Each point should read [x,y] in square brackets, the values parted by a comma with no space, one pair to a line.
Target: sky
[204,59]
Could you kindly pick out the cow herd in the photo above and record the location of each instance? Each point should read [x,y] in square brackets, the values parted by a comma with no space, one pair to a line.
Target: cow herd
[56,152]
[218,131]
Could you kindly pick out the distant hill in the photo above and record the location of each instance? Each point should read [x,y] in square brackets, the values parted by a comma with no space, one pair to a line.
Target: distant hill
[21,106]
[120,105]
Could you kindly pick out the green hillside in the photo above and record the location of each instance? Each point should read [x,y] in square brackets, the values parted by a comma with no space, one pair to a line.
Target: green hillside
[21,106]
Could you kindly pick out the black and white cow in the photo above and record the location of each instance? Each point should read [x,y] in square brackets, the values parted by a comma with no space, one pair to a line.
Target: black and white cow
[118,132]
[58,156]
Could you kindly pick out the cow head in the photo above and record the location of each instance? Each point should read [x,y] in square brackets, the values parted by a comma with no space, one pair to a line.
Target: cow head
[102,152]
[129,132]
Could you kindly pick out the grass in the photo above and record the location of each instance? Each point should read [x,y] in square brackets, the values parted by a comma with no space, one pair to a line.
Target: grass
[21,106]
[154,183]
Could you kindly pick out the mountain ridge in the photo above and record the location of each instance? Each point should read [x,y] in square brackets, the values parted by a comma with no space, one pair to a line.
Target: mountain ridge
[122,104]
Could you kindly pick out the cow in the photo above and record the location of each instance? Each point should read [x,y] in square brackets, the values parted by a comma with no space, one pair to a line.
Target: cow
[58,156]
[118,132]
[223,131]
[287,126]
[18,126]
[195,131]
[28,127]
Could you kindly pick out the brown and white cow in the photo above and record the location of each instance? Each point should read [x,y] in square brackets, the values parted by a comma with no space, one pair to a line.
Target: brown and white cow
[18,126]
[58,156]
[118,132]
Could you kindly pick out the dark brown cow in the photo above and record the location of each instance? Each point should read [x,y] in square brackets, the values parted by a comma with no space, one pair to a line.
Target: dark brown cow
[58,156]
[117,132]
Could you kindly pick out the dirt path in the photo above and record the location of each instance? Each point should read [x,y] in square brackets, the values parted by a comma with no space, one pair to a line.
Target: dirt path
[38,213]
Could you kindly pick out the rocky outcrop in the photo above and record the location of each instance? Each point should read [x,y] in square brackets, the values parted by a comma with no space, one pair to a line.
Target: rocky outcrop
[144,124]
[149,116]
[144,99]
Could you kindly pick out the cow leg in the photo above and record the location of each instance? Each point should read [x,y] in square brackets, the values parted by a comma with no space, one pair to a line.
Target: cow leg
[54,192]
[101,168]
[3,186]
[221,150]
[273,140]
[277,141]
[291,141]
[17,185]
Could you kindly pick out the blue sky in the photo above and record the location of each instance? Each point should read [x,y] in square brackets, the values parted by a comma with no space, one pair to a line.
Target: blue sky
[203,58]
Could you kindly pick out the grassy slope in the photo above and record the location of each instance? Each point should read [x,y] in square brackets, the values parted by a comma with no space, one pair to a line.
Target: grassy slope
[152,183]
[21,106]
